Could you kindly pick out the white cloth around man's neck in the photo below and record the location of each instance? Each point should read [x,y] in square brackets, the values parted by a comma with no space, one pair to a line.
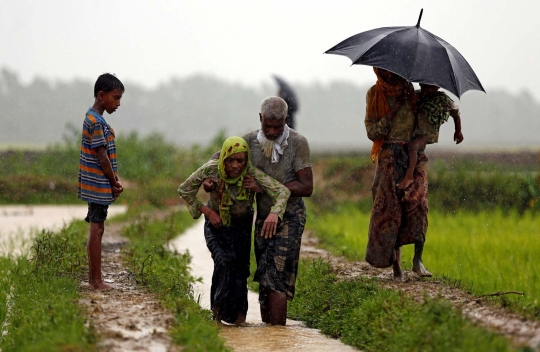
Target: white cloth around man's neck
[279,144]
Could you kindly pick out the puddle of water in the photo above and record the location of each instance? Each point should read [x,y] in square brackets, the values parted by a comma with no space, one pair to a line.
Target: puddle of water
[254,335]
[19,222]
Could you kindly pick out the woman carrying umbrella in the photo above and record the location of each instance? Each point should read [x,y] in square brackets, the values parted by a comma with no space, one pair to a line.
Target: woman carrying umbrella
[228,223]
[398,217]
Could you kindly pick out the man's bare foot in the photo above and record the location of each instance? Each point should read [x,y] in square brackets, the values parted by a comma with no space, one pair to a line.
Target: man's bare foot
[405,183]
[101,286]
[419,269]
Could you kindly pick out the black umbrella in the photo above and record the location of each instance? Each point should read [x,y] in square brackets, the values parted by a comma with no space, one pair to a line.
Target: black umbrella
[413,53]
[286,92]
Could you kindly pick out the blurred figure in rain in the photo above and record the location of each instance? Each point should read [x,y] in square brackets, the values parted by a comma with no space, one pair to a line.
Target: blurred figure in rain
[286,93]
[99,184]
[228,222]
[398,217]
[434,108]
[284,154]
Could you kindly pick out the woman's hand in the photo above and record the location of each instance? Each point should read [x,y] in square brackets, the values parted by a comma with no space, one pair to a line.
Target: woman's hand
[270,226]
[251,184]
[212,215]
[209,184]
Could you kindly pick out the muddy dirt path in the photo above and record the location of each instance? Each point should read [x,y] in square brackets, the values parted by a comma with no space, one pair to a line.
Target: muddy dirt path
[127,318]
[521,331]
[254,335]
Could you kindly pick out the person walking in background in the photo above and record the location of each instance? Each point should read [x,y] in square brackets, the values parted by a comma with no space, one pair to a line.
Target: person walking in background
[287,93]
[99,184]
[434,107]
[229,220]
[398,217]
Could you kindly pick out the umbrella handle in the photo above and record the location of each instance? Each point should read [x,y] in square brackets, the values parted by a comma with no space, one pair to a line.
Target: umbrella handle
[419,18]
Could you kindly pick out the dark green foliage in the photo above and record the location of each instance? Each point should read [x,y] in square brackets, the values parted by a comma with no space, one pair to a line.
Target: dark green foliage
[34,189]
[464,183]
[480,186]
[151,169]
[374,319]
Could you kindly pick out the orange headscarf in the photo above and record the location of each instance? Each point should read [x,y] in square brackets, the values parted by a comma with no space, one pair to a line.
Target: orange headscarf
[377,106]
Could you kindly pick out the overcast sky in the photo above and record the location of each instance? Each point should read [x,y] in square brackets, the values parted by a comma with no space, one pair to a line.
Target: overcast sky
[149,42]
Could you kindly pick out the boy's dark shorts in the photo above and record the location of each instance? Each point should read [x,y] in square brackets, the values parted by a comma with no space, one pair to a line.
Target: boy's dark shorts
[96,212]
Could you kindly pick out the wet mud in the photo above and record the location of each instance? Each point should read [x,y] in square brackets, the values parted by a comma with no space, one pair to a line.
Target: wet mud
[127,318]
[520,330]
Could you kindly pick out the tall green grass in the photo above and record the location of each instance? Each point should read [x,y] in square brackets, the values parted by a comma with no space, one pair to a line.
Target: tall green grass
[486,251]
[38,295]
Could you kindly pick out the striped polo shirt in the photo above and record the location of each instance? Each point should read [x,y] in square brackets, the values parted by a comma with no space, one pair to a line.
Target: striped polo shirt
[93,185]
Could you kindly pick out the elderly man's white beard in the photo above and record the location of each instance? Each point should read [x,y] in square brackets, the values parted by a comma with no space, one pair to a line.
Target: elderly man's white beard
[268,148]
[273,149]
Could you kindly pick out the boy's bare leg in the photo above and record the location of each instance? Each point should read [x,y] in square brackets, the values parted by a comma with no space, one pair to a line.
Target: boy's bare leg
[94,256]
[413,148]
[418,267]
[277,302]
[398,272]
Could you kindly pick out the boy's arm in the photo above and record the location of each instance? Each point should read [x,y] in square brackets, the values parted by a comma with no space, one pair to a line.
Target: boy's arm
[108,170]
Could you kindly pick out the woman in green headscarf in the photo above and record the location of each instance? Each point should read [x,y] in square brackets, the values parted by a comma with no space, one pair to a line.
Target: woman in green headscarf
[228,222]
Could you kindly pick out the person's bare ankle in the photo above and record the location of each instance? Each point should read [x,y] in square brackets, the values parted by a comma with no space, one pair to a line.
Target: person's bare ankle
[240,318]
[217,314]
[100,286]
[420,270]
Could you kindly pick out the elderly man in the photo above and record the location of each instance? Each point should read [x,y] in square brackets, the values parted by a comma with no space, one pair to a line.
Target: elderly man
[283,154]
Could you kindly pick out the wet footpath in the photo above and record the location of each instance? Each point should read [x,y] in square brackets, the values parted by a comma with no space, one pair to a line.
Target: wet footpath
[254,335]
[18,223]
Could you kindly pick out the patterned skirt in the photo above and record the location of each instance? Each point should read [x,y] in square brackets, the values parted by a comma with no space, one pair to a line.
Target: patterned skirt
[277,257]
[398,217]
[230,248]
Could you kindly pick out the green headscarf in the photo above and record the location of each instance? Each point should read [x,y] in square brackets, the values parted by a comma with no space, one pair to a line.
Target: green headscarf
[232,145]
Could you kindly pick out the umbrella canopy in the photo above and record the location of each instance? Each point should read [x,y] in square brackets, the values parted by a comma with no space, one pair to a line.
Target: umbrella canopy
[412,53]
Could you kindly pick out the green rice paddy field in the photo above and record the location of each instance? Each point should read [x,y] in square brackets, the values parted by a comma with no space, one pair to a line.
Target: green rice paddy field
[487,251]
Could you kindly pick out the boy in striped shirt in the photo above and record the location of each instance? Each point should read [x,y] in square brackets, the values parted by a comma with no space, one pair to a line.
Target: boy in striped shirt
[99,184]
